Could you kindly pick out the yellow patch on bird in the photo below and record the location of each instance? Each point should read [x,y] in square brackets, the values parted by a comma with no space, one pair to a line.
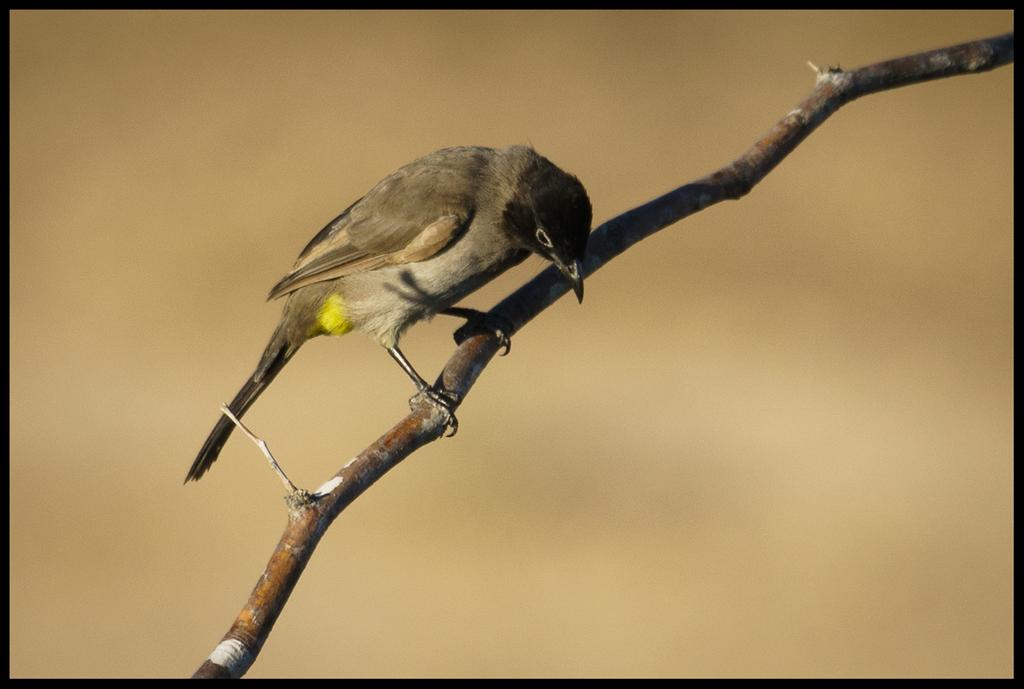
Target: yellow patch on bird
[330,319]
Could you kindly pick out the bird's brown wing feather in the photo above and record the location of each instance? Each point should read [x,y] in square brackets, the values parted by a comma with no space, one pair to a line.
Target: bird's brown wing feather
[409,216]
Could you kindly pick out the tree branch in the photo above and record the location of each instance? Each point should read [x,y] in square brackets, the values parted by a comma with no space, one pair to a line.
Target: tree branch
[307,521]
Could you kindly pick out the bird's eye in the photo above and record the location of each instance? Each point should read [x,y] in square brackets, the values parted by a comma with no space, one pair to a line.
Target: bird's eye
[543,239]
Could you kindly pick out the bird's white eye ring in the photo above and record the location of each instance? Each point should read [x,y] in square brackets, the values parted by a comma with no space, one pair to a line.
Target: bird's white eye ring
[543,238]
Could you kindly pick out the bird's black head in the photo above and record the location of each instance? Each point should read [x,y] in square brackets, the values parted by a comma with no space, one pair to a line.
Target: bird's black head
[550,215]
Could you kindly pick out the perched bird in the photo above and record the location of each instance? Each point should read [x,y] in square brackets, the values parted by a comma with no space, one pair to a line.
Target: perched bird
[419,241]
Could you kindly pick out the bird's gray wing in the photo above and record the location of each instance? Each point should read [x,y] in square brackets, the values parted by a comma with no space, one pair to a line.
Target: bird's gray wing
[409,216]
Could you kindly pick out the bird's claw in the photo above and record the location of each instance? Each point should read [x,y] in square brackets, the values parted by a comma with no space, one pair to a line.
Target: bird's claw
[442,401]
[481,322]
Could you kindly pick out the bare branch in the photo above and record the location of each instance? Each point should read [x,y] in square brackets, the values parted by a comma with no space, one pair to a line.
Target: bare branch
[265,449]
[308,522]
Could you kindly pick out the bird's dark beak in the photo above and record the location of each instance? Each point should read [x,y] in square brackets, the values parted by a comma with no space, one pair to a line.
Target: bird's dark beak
[574,274]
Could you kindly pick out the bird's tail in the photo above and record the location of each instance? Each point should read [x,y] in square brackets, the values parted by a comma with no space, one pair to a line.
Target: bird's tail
[276,355]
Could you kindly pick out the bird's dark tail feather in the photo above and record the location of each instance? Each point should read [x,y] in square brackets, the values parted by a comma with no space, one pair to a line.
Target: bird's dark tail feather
[274,359]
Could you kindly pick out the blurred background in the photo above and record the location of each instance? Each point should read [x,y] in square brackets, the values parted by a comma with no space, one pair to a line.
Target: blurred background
[775,440]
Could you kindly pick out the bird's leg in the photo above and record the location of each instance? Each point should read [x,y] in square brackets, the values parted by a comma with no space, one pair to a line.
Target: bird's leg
[480,321]
[438,398]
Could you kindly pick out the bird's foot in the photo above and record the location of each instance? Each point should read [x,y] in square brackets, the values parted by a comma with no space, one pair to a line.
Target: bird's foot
[444,402]
[478,322]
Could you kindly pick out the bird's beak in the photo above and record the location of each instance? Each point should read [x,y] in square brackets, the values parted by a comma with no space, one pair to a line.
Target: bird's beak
[574,274]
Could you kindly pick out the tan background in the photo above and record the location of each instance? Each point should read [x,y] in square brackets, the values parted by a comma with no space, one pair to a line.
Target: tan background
[774,440]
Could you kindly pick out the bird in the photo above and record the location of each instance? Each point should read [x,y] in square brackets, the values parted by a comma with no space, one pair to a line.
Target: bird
[419,241]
